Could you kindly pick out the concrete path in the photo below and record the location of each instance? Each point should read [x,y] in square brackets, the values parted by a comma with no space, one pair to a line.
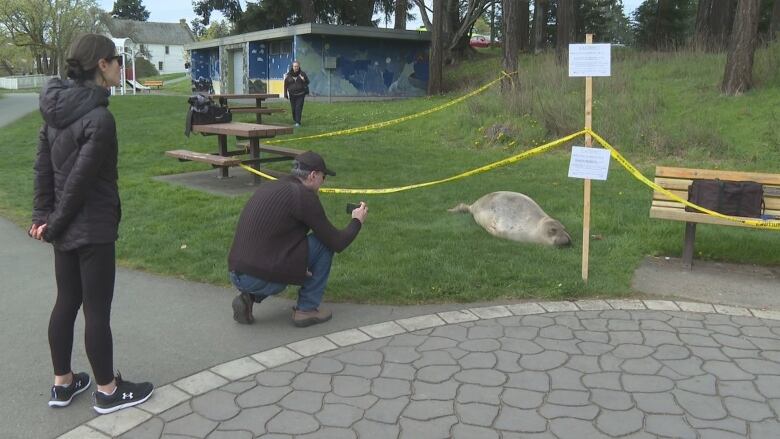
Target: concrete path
[16,105]
[590,369]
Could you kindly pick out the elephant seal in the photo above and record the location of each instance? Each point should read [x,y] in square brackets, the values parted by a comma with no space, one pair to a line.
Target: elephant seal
[515,216]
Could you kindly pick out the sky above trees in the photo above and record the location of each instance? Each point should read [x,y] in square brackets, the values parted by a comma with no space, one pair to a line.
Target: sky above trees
[171,11]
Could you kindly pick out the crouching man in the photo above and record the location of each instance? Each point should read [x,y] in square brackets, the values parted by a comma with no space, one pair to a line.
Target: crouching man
[272,246]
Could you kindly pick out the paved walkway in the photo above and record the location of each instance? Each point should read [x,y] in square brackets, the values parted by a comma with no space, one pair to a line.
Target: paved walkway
[15,105]
[589,369]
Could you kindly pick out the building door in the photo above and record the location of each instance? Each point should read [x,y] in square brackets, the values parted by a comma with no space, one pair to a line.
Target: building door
[237,70]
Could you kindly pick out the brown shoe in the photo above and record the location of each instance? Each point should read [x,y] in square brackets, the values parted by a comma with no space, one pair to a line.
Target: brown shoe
[242,308]
[307,318]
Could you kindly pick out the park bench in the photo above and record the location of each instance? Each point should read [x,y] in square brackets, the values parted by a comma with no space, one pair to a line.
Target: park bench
[151,83]
[677,180]
[232,158]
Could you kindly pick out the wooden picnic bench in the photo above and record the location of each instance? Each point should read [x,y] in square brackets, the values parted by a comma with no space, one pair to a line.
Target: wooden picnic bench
[677,180]
[152,83]
[249,153]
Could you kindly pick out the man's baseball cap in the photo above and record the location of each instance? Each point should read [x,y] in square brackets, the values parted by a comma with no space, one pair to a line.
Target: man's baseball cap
[311,161]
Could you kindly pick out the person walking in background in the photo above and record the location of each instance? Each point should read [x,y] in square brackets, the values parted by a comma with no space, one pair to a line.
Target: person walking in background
[296,87]
[76,208]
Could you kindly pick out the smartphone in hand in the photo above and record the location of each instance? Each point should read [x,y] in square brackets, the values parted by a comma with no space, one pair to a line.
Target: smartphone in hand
[351,207]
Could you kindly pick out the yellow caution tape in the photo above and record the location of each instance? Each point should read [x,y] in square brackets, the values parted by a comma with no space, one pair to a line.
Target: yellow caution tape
[760,224]
[507,161]
[387,123]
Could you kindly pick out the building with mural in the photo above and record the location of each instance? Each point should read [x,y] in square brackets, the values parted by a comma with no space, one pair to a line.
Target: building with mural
[341,61]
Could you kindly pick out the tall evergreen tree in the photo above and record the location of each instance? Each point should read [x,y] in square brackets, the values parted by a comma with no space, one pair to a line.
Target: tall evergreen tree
[664,24]
[130,10]
[714,19]
[524,25]
[605,19]
[539,32]
[564,29]
[231,9]
[774,24]
[436,58]
[738,75]
[511,43]
[401,9]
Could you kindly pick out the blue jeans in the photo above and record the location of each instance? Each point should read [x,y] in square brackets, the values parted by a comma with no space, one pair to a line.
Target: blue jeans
[310,294]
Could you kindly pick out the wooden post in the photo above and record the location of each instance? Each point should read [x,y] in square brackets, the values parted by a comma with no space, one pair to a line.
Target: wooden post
[588,143]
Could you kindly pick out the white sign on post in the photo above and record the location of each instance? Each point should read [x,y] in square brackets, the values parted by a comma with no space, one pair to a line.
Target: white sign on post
[589,163]
[590,60]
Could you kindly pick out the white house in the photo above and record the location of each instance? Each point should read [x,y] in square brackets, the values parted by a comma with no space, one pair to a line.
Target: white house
[161,43]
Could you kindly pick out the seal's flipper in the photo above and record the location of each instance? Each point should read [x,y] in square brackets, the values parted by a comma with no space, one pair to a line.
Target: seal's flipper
[460,208]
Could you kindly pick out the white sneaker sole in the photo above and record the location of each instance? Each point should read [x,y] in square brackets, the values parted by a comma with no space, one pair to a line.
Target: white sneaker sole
[67,403]
[122,406]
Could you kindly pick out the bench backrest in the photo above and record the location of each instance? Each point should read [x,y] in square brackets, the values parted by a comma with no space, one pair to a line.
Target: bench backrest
[677,181]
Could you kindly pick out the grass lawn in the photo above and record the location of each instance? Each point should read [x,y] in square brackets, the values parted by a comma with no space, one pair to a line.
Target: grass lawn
[411,250]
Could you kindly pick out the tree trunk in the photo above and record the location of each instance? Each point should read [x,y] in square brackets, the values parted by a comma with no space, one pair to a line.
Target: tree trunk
[424,14]
[451,21]
[493,22]
[714,19]
[523,26]
[774,26]
[540,23]
[400,14]
[511,43]
[307,11]
[436,58]
[662,17]
[738,76]
[565,29]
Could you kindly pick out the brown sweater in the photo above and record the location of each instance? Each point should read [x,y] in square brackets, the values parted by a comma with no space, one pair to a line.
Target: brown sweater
[270,241]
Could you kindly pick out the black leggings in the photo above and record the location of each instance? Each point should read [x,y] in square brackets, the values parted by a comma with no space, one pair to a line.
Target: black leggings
[85,275]
[296,103]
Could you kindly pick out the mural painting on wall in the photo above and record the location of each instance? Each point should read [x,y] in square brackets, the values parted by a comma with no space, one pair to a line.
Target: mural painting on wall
[364,67]
[258,67]
[205,69]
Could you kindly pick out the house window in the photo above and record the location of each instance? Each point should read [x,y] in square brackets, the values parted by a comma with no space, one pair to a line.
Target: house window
[159,64]
[167,50]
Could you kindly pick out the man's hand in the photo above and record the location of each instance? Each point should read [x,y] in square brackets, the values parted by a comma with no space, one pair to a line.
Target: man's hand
[361,212]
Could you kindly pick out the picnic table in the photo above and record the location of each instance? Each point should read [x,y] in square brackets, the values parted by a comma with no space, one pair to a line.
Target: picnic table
[224,158]
[257,109]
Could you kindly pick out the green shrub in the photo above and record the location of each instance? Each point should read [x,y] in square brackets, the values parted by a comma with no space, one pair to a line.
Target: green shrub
[144,68]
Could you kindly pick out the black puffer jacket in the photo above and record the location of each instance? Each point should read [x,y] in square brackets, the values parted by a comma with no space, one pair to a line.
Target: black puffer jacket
[296,84]
[76,191]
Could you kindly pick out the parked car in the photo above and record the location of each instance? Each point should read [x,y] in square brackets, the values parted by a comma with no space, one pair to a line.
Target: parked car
[479,41]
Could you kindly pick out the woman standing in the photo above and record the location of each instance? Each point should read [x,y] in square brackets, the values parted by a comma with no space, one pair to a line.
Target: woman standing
[76,208]
[296,87]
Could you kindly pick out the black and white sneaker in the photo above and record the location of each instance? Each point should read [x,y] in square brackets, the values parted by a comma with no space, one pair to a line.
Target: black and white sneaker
[126,395]
[61,396]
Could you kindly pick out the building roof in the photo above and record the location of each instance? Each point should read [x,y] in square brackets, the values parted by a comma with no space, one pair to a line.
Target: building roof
[147,32]
[317,29]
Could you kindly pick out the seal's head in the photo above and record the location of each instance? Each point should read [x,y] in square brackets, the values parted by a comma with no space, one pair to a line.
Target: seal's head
[554,233]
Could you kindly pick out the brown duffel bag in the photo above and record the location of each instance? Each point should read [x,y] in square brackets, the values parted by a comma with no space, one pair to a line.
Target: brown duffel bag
[734,198]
